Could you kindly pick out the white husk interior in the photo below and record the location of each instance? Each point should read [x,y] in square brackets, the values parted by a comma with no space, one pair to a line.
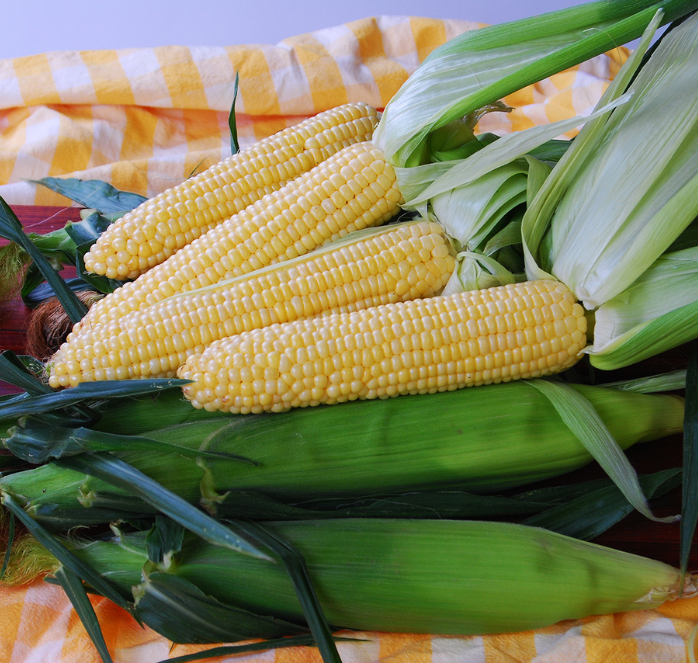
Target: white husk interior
[469,213]
[422,183]
[475,271]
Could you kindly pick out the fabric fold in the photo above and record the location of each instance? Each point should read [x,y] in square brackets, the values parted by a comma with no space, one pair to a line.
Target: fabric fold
[145,119]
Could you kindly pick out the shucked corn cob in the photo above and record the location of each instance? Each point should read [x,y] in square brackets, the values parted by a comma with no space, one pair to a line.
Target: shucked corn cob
[380,266]
[352,190]
[148,235]
[424,346]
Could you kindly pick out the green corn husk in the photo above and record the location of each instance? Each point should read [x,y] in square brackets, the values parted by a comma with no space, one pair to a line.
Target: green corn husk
[135,416]
[623,209]
[359,449]
[620,197]
[480,67]
[446,577]
[657,312]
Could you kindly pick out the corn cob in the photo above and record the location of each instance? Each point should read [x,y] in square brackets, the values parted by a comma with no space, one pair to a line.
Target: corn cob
[406,576]
[364,448]
[352,190]
[524,330]
[162,225]
[379,266]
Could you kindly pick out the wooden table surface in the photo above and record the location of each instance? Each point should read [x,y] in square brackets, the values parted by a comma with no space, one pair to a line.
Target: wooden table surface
[634,534]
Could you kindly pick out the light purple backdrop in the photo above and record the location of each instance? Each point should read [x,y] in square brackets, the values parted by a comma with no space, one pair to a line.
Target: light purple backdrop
[36,26]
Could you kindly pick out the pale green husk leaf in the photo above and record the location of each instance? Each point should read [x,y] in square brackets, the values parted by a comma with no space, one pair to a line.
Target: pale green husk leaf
[471,212]
[639,189]
[542,206]
[422,183]
[475,271]
[583,420]
[480,67]
[672,381]
[670,284]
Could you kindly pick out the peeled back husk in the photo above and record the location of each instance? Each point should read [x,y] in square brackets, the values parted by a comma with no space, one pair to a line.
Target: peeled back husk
[480,67]
[636,191]
[657,312]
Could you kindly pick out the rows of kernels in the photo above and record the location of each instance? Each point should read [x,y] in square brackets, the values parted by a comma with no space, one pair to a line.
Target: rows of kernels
[401,262]
[517,331]
[352,190]
[162,225]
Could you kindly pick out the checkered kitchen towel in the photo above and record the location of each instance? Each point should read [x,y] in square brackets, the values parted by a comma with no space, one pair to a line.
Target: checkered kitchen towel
[145,119]
[38,625]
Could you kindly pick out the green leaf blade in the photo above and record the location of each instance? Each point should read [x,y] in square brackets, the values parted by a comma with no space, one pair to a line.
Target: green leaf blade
[181,612]
[122,475]
[73,587]
[11,229]
[93,194]
[232,650]
[579,414]
[232,122]
[588,516]
[84,392]
[64,556]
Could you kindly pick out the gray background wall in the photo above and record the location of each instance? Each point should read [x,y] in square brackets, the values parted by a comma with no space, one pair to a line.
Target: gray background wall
[37,26]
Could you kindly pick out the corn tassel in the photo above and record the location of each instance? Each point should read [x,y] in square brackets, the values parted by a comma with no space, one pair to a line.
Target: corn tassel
[397,263]
[162,225]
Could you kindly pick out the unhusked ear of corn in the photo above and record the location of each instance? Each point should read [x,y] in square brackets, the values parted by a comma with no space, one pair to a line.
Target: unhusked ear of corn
[462,440]
[152,232]
[523,330]
[378,266]
[352,190]
[409,576]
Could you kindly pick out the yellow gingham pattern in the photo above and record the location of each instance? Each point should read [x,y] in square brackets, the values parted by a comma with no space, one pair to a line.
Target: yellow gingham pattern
[39,626]
[144,119]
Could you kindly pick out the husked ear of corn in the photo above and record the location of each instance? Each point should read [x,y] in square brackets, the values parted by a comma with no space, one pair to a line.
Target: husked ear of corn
[354,189]
[152,232]
[396,263]
[524,330]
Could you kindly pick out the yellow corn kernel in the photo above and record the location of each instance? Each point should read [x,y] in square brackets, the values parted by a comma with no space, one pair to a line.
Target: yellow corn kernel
[413,347]
[339,278]
[247,241]
[160,226]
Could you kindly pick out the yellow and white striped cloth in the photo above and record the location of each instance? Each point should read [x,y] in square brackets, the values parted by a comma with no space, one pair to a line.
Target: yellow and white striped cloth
[38,625]
[144,119]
